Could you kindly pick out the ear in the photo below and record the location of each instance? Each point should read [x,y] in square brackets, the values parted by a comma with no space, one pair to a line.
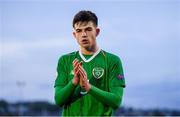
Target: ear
[74,34]
[97,31]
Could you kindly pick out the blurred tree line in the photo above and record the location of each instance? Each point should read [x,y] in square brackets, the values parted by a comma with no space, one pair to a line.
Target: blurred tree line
[43,108]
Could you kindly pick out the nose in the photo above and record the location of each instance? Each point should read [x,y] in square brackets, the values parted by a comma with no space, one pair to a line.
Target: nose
[84,34]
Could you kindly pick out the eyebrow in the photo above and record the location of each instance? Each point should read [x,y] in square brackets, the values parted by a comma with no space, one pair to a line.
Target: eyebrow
[84,28]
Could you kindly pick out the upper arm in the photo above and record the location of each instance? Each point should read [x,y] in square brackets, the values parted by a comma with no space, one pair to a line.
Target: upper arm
[61,78]
[117,81]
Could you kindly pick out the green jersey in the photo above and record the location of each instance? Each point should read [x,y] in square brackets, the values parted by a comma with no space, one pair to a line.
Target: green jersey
[105,74]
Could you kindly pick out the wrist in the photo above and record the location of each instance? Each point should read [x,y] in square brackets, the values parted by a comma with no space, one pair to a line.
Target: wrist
[88,87]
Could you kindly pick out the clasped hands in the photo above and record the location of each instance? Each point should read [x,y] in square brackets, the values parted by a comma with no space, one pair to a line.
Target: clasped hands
[80,76]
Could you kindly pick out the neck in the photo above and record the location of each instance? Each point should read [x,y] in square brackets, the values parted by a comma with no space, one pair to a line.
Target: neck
[89,51]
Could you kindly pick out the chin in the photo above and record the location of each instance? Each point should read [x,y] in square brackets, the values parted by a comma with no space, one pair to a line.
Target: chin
[86,46]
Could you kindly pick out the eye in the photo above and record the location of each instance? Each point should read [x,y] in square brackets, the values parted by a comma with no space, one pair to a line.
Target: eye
[89,29]
[78,30]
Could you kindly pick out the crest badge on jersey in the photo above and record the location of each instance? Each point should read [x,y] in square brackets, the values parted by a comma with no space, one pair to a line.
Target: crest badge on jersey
[98,72]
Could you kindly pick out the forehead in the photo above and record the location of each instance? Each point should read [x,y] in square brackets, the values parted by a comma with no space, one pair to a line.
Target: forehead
[81,25]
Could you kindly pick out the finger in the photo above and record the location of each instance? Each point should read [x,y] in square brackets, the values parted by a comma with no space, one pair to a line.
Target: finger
[83,76]
[77,65]
[81,69]
[75,62]
[76,68]
[81,63]
[77,72]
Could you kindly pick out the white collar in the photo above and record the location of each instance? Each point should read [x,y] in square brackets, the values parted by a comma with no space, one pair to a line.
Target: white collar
[93,56]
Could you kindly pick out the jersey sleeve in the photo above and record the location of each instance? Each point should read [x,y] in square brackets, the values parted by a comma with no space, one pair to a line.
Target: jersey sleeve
[63,89]
[61,73]
[116,74]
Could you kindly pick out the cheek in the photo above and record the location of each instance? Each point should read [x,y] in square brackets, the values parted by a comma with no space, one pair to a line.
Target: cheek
[77,38]
[92,35]
[92,40]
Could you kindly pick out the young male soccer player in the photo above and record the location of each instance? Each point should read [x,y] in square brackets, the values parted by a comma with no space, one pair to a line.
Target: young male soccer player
[90,81]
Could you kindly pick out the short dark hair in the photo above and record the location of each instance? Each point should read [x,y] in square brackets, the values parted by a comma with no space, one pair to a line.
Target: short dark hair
[85,16]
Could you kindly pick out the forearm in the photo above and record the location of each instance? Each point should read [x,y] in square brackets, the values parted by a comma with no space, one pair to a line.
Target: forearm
[62,94]
[108,98]
[76,95]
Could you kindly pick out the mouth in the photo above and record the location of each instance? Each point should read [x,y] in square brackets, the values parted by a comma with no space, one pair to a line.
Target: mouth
[85,41]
